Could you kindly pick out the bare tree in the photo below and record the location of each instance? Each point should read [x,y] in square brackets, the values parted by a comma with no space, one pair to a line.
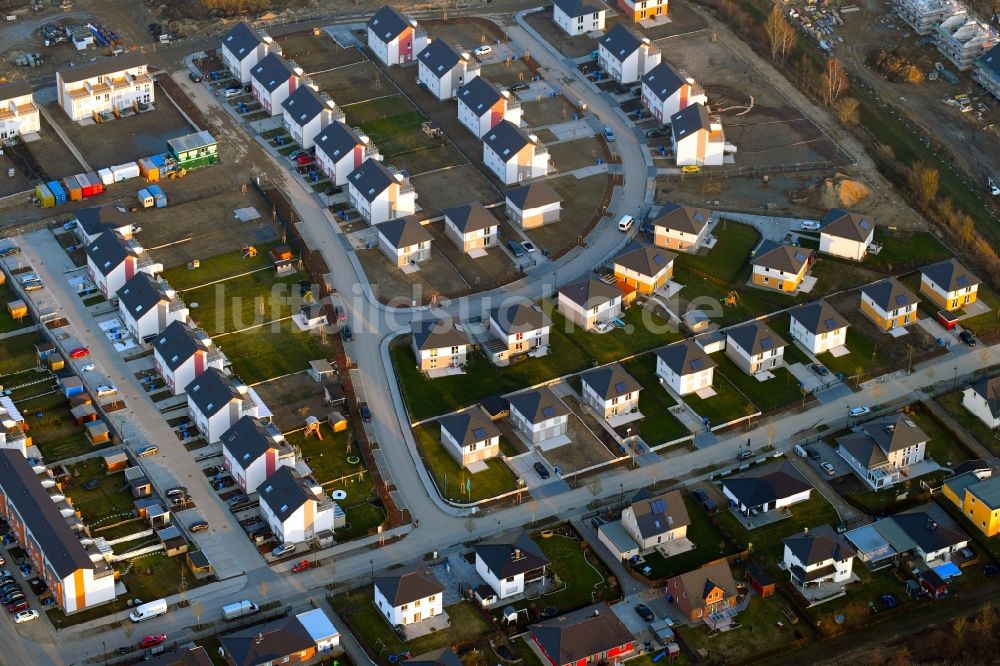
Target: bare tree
[833,82]
[846,109]
[780,34]
[924,181]
[533,507]
[770,433]
[197,608]
[750,410]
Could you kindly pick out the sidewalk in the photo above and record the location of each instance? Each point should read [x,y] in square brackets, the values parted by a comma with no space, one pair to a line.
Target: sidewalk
[956,429]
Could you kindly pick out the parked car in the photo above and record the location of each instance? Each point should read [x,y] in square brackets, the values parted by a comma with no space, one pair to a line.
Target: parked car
[517,87]
[528,246]
[345,333]
[333,189]
[828,468]
[484,50]
[196,78]
[968,338]
[176,491]
[813,454]
[79,352]
[150,641]
[233,92]
[542,470]
[17,607]
[644,611]
[609,134]
[691,168]
[147,450]
[283,549]
[809,225]
[366,414]
[302,565]
[198,526]
[859,411]
[515,248]
[304,158]
[25,616]
[819,369]
[106,389]
[655,134]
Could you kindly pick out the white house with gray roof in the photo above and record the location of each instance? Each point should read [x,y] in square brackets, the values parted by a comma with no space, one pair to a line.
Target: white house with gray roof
[683,228]
[685,367]
[395,39]
[404,241]
[443,70]
[880,450]
[146,306]
[653,520]
[517,329]
[182,353]
[380,194]
[512,155]
[818,556]
[610,391]
[93,221]
[589,303]
[272,80]
[19,114]
[439,346]
[471,228]
[307,113]
[539,415]
[697,138]
[845,234]
[509,563]
[626,56]
[818,327]
[578,17]
[665,91]
[253,451]
[216,401]
[533,205]
[296,509]
[242,48]
[469,436]
[986,71]
[112,261]
[407,596]
[340,150]
[755,347]
[983,399]
[482,105]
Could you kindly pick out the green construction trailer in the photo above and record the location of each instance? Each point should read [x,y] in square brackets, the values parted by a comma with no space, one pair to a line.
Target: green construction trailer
[194,150]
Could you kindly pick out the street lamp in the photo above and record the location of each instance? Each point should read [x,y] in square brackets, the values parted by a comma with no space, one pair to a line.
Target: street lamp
[372,563]
[621,496]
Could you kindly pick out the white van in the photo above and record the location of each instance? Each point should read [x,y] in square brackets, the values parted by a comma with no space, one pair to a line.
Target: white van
[625,223]
[146,611]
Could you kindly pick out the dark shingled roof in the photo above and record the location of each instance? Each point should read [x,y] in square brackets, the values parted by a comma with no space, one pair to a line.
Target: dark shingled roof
[755,337]
[872,445]
[442,657]
[196,656]
[660,514]
[479,95]
[682,218]
[689,120]
[890,294]
[177,343]
[950,275]
[284,492]
[337,140]
[102,67]
[928,526]
[387,23]
[685,358]
[779,257]
[404,232]
[538,405]
[108,252]
[407,585]
[506,139]
[610,381]
[16,89]
[533,195]
[439,57]
[590,292]
[818,317]
[646,260]
[437,333]
[272,71]
[843,224]
[767,484]
[141,294]
[268,643]
[692,588]
[469,427]
[991,60]
[581,634]
[519,318]
[621,42]
[470,218]
[510,555]
[241,40]
[663,81]
[304,104]
[578,8]
[818,545]
[95,219]
[248,439]
[212,390]
[371,179]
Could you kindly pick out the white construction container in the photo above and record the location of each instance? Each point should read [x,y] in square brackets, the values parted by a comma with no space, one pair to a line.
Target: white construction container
[125,171]
[106,176]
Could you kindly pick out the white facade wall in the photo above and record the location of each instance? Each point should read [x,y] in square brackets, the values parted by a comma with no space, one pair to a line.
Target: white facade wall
[305,134]
[18,116]
[818,344]
[106,92]
[405,614]
[528,163]
[541,431]
[687,151]
[508,587]
[587,319]
[842,247]
[684,384]
[304,524]
[337,170]
[610,407]
[976,404]
[662,110]
[579,25]
[841,574]
[632,528]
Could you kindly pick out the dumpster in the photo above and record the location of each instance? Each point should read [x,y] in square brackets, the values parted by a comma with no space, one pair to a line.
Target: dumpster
[44,195]
[146,199]
[159,195]
[57,192]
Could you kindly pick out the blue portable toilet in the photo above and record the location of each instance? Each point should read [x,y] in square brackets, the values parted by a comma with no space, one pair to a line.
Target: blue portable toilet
[159,196]
[146,199]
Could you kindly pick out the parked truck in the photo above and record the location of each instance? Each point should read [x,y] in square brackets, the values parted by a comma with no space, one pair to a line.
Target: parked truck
[239,609]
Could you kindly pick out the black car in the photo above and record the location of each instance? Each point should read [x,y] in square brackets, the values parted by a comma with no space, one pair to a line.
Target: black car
[519,86]
[366,414]
[645,612]
[194,77]
[707,502]
[655,134]
[968,338]
[542,470]
[345,333]
[819,369]
[333,189]
[813,454]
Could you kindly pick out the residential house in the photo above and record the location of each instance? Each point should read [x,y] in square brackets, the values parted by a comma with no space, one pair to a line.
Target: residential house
[438,344]
[471,227]
[626,56]
[590,635]
[306,113]
[707,594]
[440,657]
[77,575]
[443,70]
[406,596]
[252,451]
[589,303]
[293,639]
[513,156]
[93,221]
[889,304]
[510,563]
[18,113]
[880,450]
[404,241]
[643,269]
[977,499]
[395,39]
[755,347]
[610,391]
[272,81]
[845,234]
[517,329]
[181,353]
[242,48]
[818,327]
[681,227]
[146,306]
[578,17]
[295,508]
[640,10]
[986,71]
[109,85]
[652,520]
[216,401]
[380,194]
[982,398]
[685,367]
[949,284]
[340,150]
[766,488]
[665,92]
[781,267]
[532,205]
[192,656]
[539,414]
[697,139]
[926,532]
[469,436]
[481,106]
[112,261]
[818,556]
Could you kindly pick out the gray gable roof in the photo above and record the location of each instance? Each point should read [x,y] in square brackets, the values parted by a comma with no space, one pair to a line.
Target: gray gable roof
[819,545]
[682,218]
[437,333]
[663,81]
[950,275]
[241,40]
[610,381]
[989,390]
[387,23]
[439,57]
[877,439]
[685,358]
[407,585]
[689,121]
[284,492]
[927,527]
[533,195]
[621,42]
[269,643]
[890,294]
[304,104]
[755,337]
[850,226]
[107,217]
[479,95]
[590,293]
[470,218]
[660,514]
[176,344]
[818,317]
[141,294]
[442,657]
[108,252]
[506,139]
[404,232]
[272,72]
[508,556]
[991,60]
[767,483]
[583,634]
[212,390]
[469,427]
[519,318]
[780,257]
[371,179]
[577,8]
[337,140]
[646,260]
[248,439]
[538,405]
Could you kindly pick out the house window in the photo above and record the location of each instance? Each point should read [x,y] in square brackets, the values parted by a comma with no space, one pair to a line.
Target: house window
[416,604]
[431,598]
[509,580]
[404,607]
[454,350]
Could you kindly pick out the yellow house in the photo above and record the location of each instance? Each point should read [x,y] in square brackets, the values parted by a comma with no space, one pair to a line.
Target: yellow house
[979,500]
[645,269]
[949,284]
[889,304]
[640,10]
[781,267]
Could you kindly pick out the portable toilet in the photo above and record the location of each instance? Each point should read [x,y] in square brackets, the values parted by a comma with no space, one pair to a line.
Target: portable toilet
[158,195]
[149,170]
[146,199]
[96,184]
[73,189]
[58,193]
[44,196]
[107,178]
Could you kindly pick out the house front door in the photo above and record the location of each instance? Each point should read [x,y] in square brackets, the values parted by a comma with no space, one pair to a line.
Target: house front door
[416,617]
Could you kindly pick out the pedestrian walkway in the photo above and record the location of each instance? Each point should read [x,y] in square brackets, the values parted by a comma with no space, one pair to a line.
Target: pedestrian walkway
[960,432]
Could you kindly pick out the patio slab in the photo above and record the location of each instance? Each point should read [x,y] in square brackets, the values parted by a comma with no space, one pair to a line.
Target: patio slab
[426,626]
[622,419]
[839,351]
[760,520]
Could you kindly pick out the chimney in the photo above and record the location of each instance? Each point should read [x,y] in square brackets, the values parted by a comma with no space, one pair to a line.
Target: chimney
[597,612]
[517,553]
[805,531]
[259,639]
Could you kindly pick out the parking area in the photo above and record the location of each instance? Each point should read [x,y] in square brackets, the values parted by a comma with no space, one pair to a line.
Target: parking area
[821,454]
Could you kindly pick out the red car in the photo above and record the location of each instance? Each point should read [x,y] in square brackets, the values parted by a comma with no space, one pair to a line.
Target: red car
[17,606]
[304,159]
[303,565]
[150,641]
[79,352]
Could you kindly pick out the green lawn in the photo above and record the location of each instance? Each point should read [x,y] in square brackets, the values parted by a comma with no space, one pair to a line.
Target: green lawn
[781,325]
[263,353]
[391,123]
[701,293]
[584,576]
[644,330]
[219,267]
[110,498]
[759,632]
[245,301]
[8,323]
[942,445]
[987,323]
[53,429]
[952,402]
[157,576]
[727,404]
[864,356]
[658,425]
[769,395]
[18,353]
[709,543]
[727,259]
[903,250]
[451,477]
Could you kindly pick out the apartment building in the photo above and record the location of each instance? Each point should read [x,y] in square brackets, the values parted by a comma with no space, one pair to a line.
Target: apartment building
[108,85]
[925,15]
[18,113]
[961,39]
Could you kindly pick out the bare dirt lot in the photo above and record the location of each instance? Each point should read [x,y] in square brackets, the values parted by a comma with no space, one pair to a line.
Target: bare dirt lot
[571,47]
[316,53]
[571,155]
[507,73]
[292,399]
[464,33]
[20,182]
[51,154]
[585,451]
[437,191]
[493,270]
[437,278]
[547,111]
[582,199]
[354,83]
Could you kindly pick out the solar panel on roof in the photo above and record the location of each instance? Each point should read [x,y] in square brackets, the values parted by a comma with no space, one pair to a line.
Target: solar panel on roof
[479,434]
[548,412]
[830,323]
[765,343]
[620,387]
[900,299]
[962,281]
[696,364]
[658,259]
[864,225]
[799,257]
[699,217]
[658,506]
